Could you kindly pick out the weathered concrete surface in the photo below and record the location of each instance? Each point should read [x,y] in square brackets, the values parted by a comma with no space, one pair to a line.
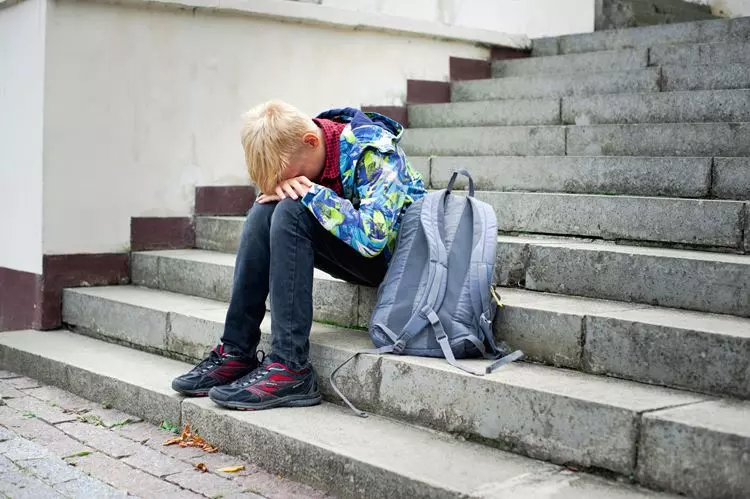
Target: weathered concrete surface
[668,107]
[648,36]
[701,450]
[126,379]
[556,85]
[695,222]
[466,141]
[623,59]
[697,54]
[217,233]
[499,113]
[731,178]
[703,352]
[705,77]
[637,176]
[665,139]
[422,165]
[707,282]
[612,14]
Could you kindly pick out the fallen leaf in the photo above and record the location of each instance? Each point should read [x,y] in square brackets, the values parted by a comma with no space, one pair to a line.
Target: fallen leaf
[83,453]
[233,469]
[172,441]
[186,438]
[201,467]
[121,423]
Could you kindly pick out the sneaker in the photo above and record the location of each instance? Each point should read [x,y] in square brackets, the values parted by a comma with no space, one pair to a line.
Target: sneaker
[271,385]
[221,367]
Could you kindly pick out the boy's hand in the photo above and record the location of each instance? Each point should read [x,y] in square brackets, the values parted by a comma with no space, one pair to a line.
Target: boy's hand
[294,188]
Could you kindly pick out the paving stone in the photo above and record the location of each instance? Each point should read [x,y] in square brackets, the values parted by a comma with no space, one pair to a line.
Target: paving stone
[8,375]
[19,485]
[156,463]
[144,433]
[101,439]
[9,392]
[124,477]
[87,487]
[51,470]
[80,406]
[19,448]
[208,484]
[50,437]
[6,434]
[21,383]
[731,178]
[270,486]
[33,407]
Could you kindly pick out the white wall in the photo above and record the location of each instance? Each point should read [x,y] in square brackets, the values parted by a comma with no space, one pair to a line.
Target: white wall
[727,8]
[143,105]
[21,91]
[535,18]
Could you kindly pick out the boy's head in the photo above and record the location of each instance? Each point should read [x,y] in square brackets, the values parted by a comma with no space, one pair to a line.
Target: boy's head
[280,143]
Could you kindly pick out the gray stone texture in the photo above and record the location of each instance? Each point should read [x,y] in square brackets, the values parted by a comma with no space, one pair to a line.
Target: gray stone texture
[499,113]
[216,233]
[731,178]
[665,139]
[592,62]
[637,176]
[705,77]
[699,54]
[482,141]
[669,107]
[613,14]
[422,165]
[101,439]
[672,348]
[695,222]
[700,450]
[556,85]
[156,463]
[698,281]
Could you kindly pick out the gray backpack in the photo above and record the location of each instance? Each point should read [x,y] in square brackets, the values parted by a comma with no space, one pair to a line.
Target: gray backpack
[437,298]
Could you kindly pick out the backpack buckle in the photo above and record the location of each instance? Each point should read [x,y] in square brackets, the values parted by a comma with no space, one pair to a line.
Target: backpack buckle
[399,347]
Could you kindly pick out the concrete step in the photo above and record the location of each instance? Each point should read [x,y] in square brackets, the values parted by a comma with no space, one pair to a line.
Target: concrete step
[657,139]
[720,30]
[638,176]
[325,446]
[667,78]
[692,280]
[421,390]
[654,107]
[590,62]
[701,53]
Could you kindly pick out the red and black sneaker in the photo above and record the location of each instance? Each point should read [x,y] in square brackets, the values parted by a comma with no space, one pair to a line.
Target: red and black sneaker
[271,385]
[221,367]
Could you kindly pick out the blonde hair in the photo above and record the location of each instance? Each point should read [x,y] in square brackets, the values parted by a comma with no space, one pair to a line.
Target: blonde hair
[271,135]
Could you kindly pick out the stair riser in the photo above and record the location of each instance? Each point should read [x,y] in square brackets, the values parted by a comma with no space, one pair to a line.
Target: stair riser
[407,388]
[677,107]
[673,177]
[667,79]
[724,30]
[665,139]
[689,283]
[701,54]
[617,60]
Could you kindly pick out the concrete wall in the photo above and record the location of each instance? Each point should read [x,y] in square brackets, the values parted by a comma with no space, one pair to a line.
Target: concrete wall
[21,90]
[535,18]
[144,104]
[727,8]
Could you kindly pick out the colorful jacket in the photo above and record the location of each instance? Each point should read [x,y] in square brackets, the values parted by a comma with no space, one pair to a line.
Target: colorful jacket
[378,184]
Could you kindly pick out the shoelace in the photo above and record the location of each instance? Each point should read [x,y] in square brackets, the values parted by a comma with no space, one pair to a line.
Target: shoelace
[255,375]
[215,359]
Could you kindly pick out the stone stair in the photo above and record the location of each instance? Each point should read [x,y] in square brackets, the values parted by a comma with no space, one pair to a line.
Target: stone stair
[619,167]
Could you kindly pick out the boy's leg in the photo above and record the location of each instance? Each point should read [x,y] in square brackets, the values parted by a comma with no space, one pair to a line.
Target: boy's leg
[236,356]
[297,243]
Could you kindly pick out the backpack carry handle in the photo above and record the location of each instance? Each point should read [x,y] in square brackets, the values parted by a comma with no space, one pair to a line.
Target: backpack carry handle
[465,174]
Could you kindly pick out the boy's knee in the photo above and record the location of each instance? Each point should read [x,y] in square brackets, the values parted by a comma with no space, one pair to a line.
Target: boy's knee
[287,211]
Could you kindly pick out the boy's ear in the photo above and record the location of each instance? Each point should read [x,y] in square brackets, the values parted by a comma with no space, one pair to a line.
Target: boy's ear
[311,139]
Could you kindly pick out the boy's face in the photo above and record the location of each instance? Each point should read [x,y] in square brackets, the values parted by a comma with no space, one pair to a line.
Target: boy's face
[309,160]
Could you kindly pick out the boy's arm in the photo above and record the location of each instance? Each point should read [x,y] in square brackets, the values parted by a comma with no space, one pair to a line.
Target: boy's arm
[369,228]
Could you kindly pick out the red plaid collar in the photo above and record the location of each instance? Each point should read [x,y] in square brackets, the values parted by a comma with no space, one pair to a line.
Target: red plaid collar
[331,176]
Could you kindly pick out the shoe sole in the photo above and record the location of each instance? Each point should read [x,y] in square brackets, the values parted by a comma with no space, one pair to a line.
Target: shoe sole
[290,401]
[191,393]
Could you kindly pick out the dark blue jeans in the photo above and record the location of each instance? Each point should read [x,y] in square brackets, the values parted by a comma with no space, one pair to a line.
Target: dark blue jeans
[281,244]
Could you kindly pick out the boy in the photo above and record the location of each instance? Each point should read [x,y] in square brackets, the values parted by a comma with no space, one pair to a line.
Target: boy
[334,190]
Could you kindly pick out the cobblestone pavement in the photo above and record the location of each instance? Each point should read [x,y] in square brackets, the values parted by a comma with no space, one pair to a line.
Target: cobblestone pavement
[54,444]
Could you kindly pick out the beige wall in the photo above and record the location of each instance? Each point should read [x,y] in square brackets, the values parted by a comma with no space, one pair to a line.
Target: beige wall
[21,89]
[535,18]
[143,104]
[727,8]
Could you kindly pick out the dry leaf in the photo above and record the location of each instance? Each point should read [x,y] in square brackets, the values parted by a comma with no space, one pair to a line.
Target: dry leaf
[187,438]
[172,441]
[201,467]
[233,469]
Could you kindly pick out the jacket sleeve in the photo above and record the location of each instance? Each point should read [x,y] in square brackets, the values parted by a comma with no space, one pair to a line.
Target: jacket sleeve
[369,228]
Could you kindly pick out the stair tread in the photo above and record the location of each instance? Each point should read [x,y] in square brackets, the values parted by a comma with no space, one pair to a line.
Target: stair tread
[395,449]
[567,383]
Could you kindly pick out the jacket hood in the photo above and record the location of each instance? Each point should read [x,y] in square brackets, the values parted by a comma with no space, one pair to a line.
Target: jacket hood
[359,119]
